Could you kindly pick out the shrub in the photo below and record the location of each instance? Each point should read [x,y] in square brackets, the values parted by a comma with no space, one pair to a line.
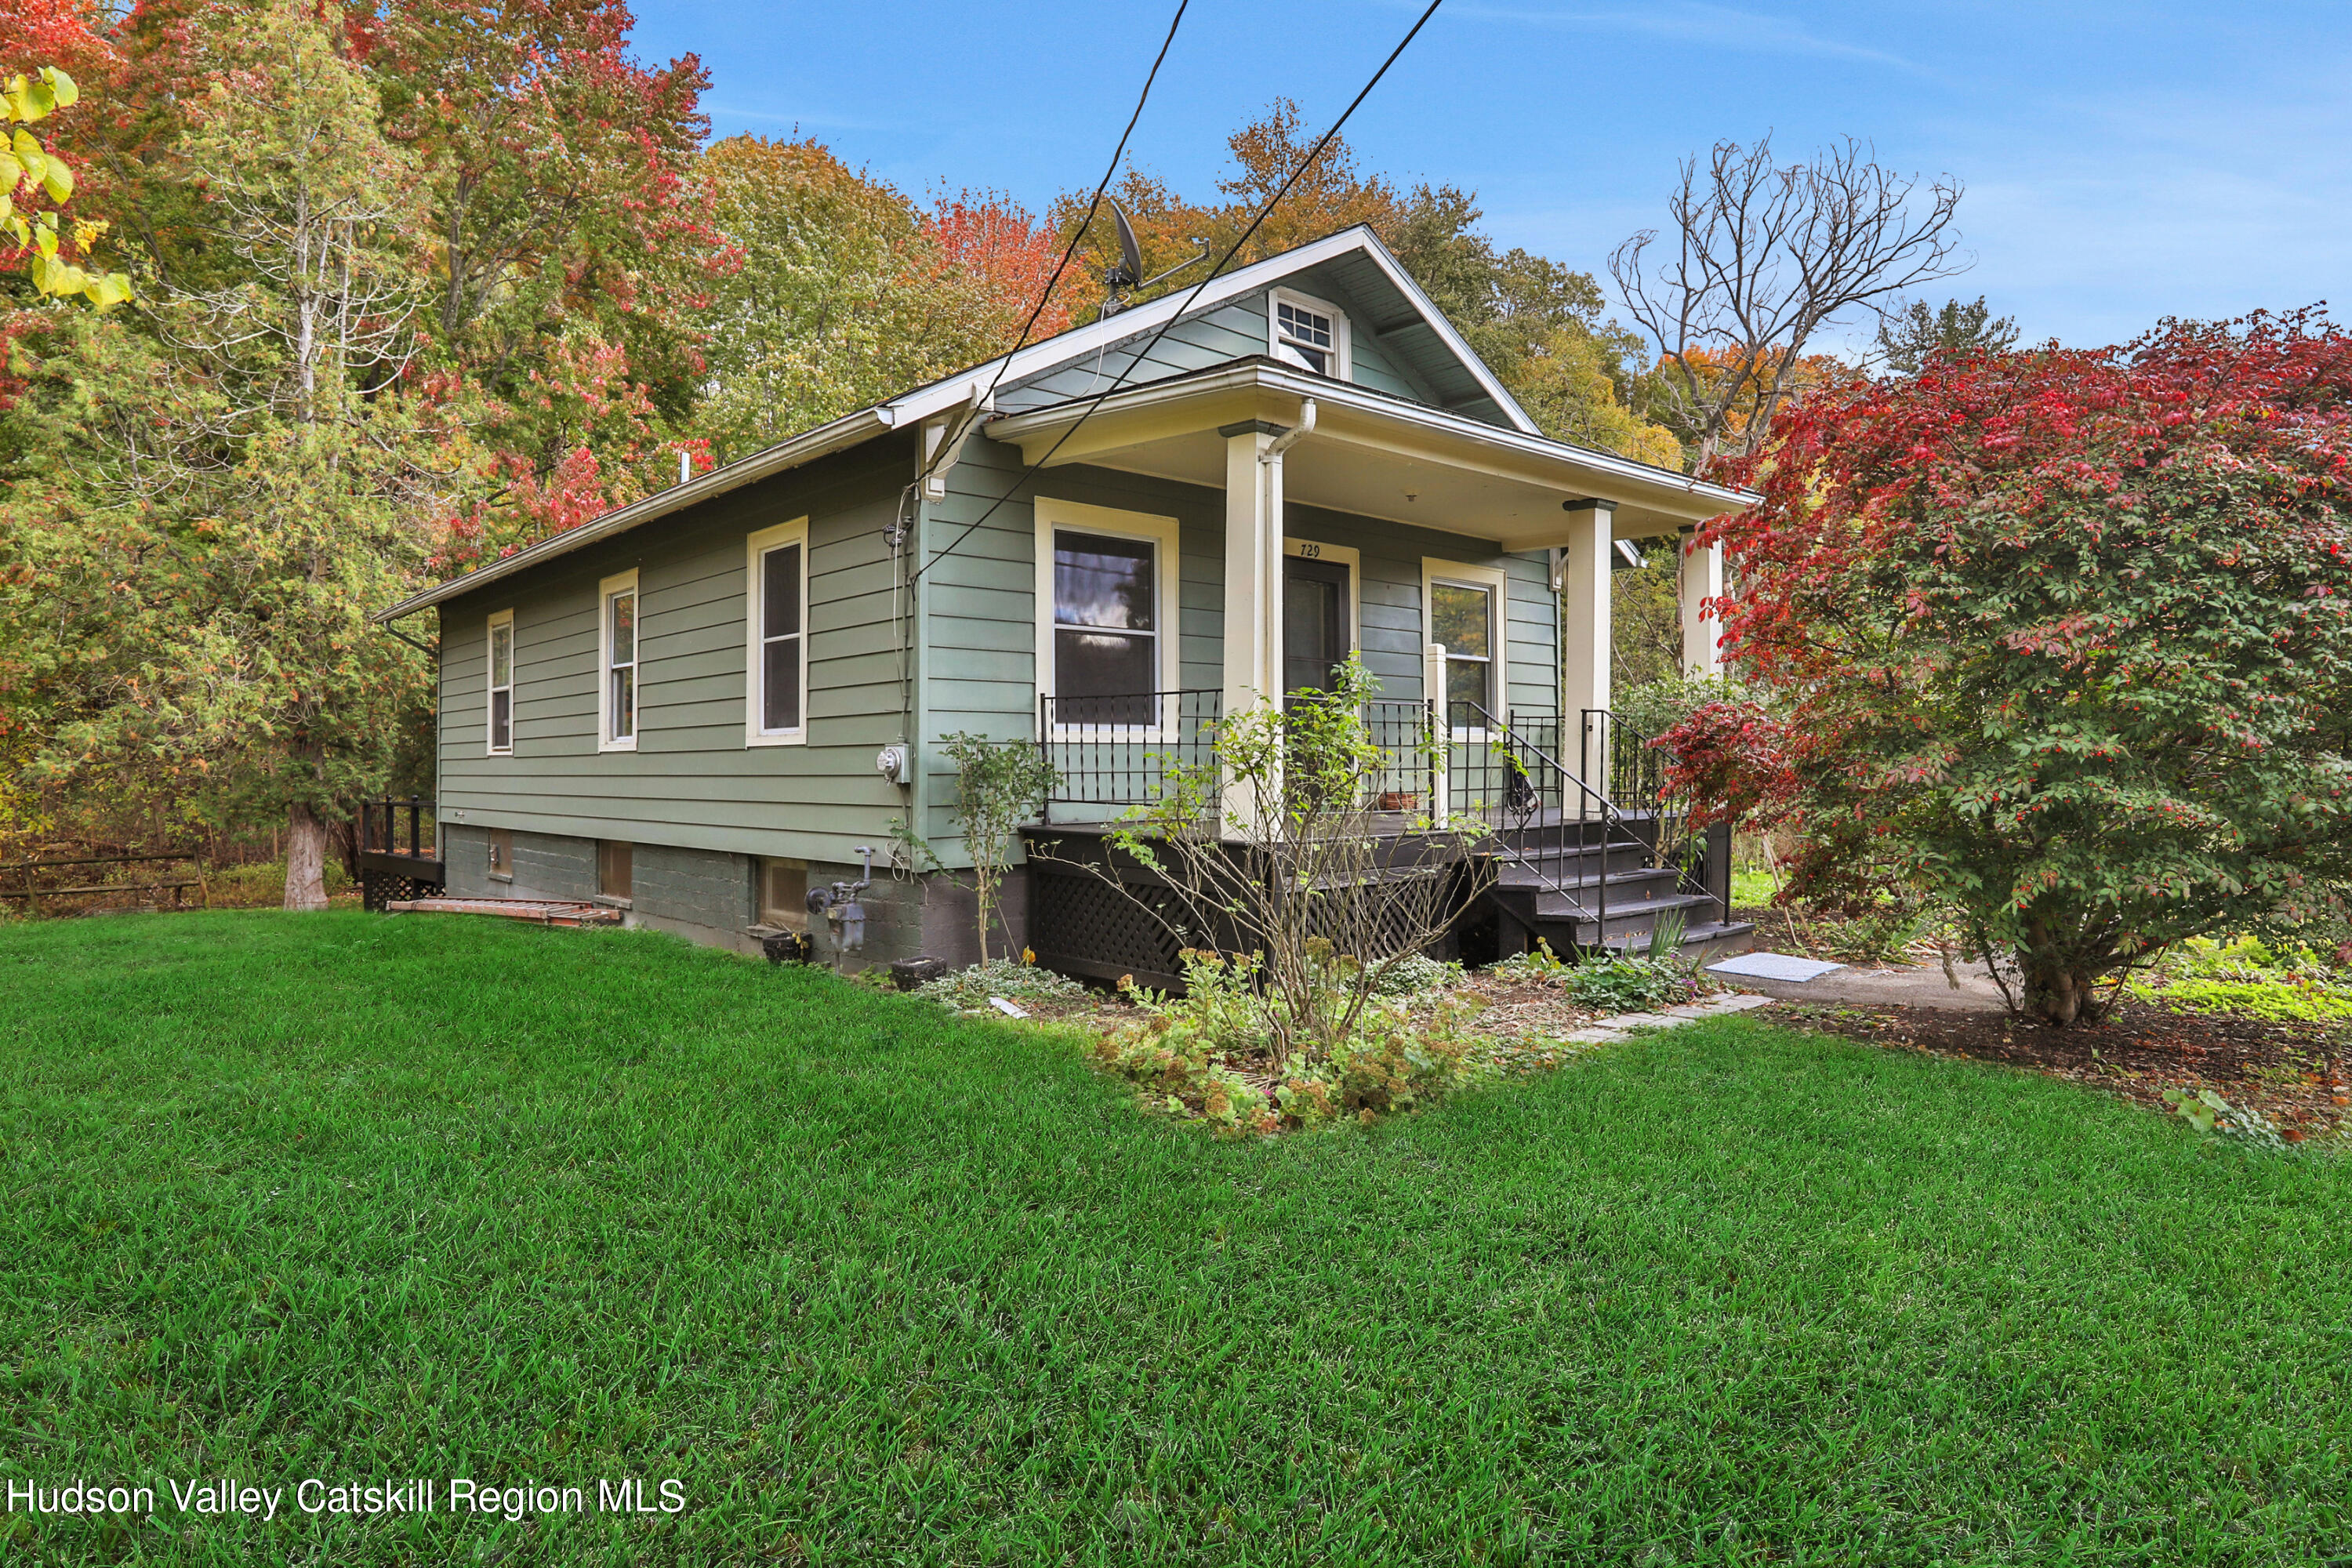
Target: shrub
[1206,1056]
[1414,975]
[1277,844]
[968,990]
[998,787]
[2058,638]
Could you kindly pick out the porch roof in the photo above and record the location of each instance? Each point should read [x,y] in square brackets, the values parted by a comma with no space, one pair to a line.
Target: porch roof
[1368,454]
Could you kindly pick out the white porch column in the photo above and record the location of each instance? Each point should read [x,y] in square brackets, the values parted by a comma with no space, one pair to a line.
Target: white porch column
[1253,635]
[1702,579]
[1584,609]
[1433,684]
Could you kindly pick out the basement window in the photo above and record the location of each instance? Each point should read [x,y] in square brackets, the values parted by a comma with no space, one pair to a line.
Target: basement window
[614,869]
[784,894]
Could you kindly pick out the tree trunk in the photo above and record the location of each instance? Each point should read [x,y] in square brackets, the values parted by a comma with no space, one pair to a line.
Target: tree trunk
[2058,987]
[306,859]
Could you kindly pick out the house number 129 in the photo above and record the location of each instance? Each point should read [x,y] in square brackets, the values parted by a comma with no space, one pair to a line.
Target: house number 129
[1311,553]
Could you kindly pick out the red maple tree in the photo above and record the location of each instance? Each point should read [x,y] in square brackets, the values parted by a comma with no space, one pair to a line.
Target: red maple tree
[2061,639]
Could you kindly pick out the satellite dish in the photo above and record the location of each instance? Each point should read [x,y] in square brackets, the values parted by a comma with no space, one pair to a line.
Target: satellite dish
[1130,270]
[1127,275]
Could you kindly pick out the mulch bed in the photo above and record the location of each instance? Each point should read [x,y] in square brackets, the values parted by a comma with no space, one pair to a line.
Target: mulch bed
[2298,1074]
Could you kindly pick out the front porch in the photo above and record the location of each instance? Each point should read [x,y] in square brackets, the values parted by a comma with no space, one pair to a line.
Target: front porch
[1469,567]
[1535,852]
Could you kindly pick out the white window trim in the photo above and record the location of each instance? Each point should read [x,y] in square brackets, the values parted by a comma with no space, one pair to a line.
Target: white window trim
[620,583]
[1166,594]
[1343,348]
[754,667]
[491,691]
[1498,584]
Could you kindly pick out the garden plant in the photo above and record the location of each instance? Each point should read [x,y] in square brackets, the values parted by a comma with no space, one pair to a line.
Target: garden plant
[2058,641]
[1278,847]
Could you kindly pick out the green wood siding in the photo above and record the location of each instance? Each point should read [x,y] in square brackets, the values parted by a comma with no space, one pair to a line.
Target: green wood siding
[692,781]
[983,609]
[1235,330]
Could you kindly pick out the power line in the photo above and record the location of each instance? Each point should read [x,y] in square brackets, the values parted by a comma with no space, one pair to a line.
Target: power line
[1222,262]
[1076,235]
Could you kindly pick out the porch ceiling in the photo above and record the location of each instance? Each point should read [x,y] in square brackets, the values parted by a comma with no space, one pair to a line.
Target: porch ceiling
[1369,454]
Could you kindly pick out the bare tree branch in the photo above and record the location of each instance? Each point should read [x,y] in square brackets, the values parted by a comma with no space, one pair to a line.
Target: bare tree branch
[1762,258]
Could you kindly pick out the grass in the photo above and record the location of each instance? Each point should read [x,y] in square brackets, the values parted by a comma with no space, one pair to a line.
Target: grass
[343,1197]
[1752,889]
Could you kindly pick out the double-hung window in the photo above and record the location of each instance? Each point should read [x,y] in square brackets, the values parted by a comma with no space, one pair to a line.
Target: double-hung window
[501,683]
[1107,641]
[1465,617]
[1309,334]
[617,642]
[1105,627]
[776,636]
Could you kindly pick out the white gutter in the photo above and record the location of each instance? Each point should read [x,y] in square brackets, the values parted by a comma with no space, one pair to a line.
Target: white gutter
[1307,385]
[824,441]
[921,403]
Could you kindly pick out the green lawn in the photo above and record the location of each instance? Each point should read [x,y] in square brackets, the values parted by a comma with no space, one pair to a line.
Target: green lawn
[350,1197]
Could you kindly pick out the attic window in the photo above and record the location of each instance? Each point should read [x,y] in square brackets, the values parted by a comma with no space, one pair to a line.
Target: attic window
[1309,334]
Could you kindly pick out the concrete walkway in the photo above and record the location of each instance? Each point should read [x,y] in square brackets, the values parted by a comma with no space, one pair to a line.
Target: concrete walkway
[1922,986]
[1624,1023]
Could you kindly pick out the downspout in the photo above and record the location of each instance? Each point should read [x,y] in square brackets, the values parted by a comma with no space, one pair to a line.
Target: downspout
[1270,567]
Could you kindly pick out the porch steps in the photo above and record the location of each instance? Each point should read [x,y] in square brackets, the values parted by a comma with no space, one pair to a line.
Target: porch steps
[1554,893]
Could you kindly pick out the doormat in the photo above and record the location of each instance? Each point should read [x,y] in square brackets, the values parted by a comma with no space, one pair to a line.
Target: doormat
[1774,966]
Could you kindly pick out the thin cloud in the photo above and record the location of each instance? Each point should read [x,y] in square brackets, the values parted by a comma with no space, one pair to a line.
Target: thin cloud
[1719,26]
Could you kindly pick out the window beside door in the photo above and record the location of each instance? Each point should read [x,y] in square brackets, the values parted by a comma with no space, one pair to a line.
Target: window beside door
[1464,614]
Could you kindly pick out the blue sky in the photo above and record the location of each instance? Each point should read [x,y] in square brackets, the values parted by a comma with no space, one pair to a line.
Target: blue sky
[2123,162]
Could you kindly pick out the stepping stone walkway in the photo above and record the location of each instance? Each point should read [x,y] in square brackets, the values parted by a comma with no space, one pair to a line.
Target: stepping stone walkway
[1673,1017]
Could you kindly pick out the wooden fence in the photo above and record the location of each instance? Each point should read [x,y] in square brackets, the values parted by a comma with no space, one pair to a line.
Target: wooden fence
[25,874]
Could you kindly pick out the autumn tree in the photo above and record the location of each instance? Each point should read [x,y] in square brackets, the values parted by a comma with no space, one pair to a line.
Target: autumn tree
[1908,338]
[570,257]
[1759,260]
[1540,326]
[2060,640]
[844,292]
[204,507]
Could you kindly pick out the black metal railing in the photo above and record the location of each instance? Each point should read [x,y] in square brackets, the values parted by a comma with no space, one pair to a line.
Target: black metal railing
[380,828]
[1631,771]
[394,863]
[1406,782]
[1117,750]
[1546,809]
[1484,781]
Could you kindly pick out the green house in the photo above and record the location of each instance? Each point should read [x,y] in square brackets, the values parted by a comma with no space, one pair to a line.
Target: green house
[700,707]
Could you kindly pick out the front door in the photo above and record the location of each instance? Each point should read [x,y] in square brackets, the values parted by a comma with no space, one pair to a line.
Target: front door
[1315,640]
